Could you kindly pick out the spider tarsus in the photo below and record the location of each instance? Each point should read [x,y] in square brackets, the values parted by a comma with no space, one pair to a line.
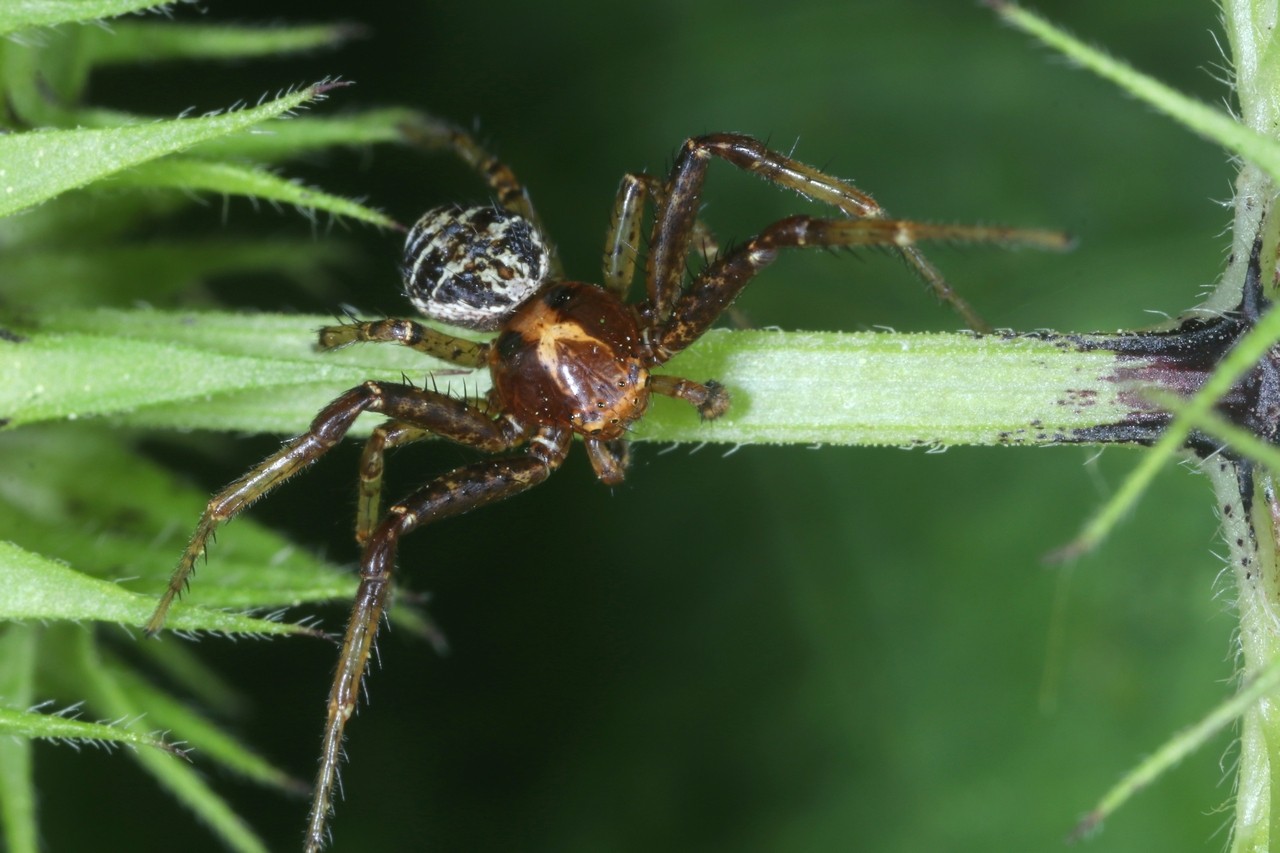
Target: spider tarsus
[717,401]
[336,337]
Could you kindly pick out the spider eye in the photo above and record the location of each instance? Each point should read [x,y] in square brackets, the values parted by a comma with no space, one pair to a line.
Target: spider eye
[472,267]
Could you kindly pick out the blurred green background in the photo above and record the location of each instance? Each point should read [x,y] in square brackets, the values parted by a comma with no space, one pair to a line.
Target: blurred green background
[799,649]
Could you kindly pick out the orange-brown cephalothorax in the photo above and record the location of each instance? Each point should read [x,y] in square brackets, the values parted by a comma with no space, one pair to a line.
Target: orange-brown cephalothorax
[572,355]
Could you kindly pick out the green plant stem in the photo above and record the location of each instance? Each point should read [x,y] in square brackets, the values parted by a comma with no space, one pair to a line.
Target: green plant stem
[215,371]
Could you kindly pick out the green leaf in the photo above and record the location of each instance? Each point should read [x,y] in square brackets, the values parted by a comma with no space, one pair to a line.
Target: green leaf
[30,724]
[95,215]
[193,175]
[195,731]
[75,512]
[149,41]
[36,588]
[39,165]
[23,14]
[118,375]
[107,694]
[1210,123]
[304,134]
[156,273]
[1180,746]
[181,665]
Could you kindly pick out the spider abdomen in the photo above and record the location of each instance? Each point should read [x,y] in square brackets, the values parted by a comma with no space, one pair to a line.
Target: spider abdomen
[471,267]
[572,357]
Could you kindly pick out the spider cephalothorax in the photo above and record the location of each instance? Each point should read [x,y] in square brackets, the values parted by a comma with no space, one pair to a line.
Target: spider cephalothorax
[567,358]
[573,355]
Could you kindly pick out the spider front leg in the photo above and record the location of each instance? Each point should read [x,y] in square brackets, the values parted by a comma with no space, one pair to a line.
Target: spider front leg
[455,493]
[622,239]
[415,336]
[445,416]
[708,295]
[673,228]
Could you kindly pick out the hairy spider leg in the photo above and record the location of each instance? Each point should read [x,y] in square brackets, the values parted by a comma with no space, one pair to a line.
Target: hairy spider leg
[415,336]
[433,134]
[445,416]
[672,229]
[384,437]
[423,339]
[710,399]
[710,293]
[452,494]
[372,463]
[622,239]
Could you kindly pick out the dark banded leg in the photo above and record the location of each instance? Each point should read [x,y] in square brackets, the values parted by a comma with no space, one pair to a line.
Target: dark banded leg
[407,333]
[445,416]
[433,134]
[622,239]
[672,229]
[709,294]
[372,464]
[452,494]
[711,400]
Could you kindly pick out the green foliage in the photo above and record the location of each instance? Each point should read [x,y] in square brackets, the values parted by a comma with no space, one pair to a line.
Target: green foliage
[74,183]
[1244,491]
[80,185]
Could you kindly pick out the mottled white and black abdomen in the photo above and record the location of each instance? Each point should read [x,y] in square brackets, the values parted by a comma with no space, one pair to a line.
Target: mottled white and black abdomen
[472,267]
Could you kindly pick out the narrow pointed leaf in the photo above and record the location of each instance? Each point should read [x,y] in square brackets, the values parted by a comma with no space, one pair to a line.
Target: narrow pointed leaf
[74,511]
[1213,124]
[107,695]
[193,175]
[35,588]
[153,41]
[39,165]
[303,134]
[32,724]
[156,273]
[23,14]
[193,730]
[1179,747]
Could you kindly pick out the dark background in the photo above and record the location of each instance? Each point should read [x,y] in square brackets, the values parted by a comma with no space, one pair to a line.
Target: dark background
[785,648]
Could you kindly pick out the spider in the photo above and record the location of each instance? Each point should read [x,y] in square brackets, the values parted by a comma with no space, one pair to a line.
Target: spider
[568,359]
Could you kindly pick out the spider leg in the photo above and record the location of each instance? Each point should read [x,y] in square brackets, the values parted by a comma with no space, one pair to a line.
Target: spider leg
[432,133]
[711,400]
[710,293]
[385,436]
[372,464]
[673,227]
[445,416]
[452,494]
[622,239]
[413,335]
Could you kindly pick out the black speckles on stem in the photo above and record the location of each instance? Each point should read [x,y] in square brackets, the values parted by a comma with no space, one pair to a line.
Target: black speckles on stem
[1181,360]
